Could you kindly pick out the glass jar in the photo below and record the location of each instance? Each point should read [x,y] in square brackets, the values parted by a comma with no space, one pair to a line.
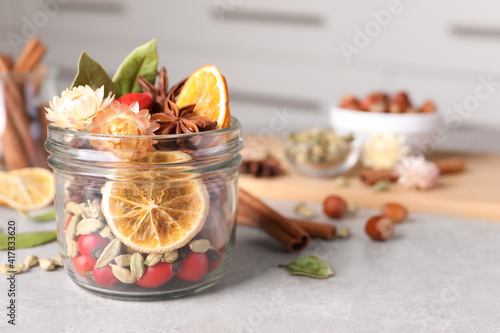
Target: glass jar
[146,216]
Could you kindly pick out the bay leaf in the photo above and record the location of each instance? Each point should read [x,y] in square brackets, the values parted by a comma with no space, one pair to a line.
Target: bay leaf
[309,265]
[48,215]
[28,239]
[92,74]
[142,61]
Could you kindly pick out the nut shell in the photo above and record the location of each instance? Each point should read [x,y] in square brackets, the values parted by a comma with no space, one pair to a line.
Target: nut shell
[395,211]
[379,228]
[335,207]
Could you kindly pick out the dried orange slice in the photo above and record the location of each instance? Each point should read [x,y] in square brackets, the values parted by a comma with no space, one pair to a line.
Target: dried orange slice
[155,217]
[27,189]
[147,167]
[207,89]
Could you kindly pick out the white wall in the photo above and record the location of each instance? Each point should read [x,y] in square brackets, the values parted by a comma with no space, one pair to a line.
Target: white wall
[285,53]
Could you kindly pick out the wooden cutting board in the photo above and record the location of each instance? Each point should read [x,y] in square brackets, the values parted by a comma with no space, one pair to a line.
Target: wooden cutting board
[474,193]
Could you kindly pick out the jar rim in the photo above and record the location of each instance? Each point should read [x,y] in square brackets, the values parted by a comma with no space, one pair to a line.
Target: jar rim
[235,125]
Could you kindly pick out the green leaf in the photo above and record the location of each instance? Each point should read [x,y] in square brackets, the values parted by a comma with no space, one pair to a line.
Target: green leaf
[29,239]
[48,215]
[142,61]
[309,265]
[92,74]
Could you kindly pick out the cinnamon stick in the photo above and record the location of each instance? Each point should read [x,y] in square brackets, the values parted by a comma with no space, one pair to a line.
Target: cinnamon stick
[370,177]
[314,229]
[288,233]
[31,55]
[451,165]
[14,155]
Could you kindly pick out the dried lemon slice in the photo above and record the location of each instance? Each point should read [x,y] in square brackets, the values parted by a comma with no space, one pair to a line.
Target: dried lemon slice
[207,88]
[27,189]
[155,217]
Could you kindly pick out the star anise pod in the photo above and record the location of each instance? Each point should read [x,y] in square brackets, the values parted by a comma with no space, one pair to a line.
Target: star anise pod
[268,167]
[160,94]
[181,121]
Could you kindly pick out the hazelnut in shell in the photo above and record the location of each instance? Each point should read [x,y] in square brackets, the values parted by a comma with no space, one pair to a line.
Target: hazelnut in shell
[380,228]
[335,207]
[395,211]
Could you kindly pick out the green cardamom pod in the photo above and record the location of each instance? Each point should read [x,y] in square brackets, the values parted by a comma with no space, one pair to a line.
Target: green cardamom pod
[171,256]
[110,252]
[123,274]
[137,265]
[200,245]
[88,226]
[123,260]
[30,261]
[153,258]
[9,270]
[57,261]
[46,264]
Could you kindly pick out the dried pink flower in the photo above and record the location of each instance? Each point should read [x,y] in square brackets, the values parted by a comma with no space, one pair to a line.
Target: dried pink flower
[121,119]
[415,172]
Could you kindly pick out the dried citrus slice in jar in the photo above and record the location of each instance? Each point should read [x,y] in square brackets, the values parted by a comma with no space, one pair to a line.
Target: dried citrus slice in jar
[155,217]
[148,167]
[207,88]
[27,189]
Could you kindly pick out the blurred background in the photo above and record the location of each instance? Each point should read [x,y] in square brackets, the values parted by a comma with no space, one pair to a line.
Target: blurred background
[291,56]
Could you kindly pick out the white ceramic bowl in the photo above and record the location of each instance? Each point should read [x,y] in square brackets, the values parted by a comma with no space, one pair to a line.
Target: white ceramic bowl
[417,128]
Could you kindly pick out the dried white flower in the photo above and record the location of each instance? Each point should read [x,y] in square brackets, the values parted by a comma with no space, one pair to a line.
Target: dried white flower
[76,108]
[383,151]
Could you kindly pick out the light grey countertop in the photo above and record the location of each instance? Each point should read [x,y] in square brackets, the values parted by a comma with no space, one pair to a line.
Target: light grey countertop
[438,274]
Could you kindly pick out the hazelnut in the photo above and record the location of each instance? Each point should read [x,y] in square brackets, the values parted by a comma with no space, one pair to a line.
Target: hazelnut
[380,228]
[428,107]
[396,212]
[349,102]
[399,103]
[335,207]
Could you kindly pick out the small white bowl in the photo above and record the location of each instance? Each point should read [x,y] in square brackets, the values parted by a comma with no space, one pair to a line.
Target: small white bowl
[418,128]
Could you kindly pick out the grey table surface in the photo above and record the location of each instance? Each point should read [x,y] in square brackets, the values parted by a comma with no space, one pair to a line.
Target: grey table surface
[438,274]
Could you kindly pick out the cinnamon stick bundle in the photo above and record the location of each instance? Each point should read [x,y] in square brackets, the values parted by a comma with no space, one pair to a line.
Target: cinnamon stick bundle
[20,148]
[288,233]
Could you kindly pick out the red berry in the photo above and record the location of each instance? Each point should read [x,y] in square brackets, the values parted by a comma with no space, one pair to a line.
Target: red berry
[92,245]
[68,221]
[104,276]
[84,264]
[155,276]
[144,99]
[194,267]
[214,259]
